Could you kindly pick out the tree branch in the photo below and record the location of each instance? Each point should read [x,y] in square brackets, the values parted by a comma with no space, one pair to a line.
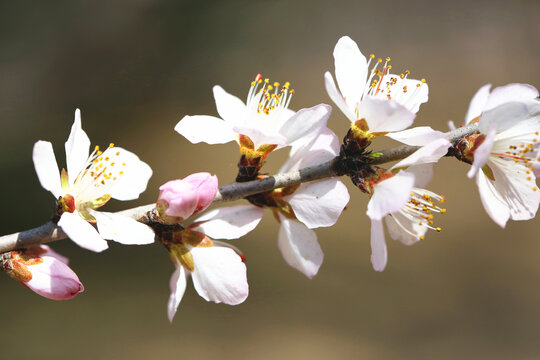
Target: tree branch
[233,191]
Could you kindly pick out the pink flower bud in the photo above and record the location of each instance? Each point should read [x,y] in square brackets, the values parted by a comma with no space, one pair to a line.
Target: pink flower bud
[180,199]
[43,271]
[207,187]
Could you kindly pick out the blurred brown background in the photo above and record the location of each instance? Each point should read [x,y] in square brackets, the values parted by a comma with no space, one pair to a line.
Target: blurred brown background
[136,67]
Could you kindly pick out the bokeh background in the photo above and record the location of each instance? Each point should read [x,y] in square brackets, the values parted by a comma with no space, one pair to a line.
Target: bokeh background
[135,67]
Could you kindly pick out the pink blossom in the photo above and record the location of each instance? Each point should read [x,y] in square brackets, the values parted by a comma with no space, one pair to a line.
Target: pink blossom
[43,271]
[180,199]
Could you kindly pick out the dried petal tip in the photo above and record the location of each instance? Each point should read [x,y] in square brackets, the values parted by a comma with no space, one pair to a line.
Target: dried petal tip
[180,199]
[43,271]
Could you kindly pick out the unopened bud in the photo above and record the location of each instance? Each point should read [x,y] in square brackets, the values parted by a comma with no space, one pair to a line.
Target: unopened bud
[180,199]
[43,271]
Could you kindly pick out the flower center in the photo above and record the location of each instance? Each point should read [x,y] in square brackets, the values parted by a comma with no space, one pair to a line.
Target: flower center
[265,98]
[421,207]
[102,170]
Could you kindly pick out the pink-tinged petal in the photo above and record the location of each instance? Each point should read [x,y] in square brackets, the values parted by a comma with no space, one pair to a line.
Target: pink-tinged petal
[219,275]
[123,229]
[384,115]
[53,279]
[229,107]
[504,116]
[482,153]
[493,203]
[81,232]
[77,149]
[478,103]
[337,98]
[390,195]
[430,153]
[204,128]
[403,229]
[510,93]
[305,122]
[299,247]
[417,136]
[50,252]
[351,69]
[47,168]
[230,222]
[379,256]
[134,179]
[177,285]
[451,125]
[319,203]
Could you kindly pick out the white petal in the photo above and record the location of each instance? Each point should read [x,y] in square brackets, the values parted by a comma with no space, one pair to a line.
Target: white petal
[229,107]
[219,275]
[493,203]
[177,285]
[451,125]
[319,203]
[230,222]
[320,148]
[305,122]
[390,195]
[261,136]
[431,153]
[81,232]
[134,179]
[482,153]
[423,174]
[515,189]
[337,98]
[203,128]
[77,149]
[299,247]
[123,229]
[478,103]
[379,256]
[417,136]
[403,229]
[504,116]
[351,69]
[510,93]
[384,115]
[47,168]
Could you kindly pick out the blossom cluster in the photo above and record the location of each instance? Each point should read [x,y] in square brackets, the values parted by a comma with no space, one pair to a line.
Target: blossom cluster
[501,144]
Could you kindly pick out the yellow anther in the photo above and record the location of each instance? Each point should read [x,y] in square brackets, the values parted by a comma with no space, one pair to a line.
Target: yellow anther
[253,83]
[423,80]
[107,158]
[270,87]
[379,60]
[99,153]
[266,81]
[535,188]
[443,211]
[422,237]
[529,178]
[121,173]
[372,56]
[111,145]
[118,153]
[387,59]
[438,229]
[96,148]
[276,84]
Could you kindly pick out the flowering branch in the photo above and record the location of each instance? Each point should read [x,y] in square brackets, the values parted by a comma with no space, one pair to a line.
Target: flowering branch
[233,191]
